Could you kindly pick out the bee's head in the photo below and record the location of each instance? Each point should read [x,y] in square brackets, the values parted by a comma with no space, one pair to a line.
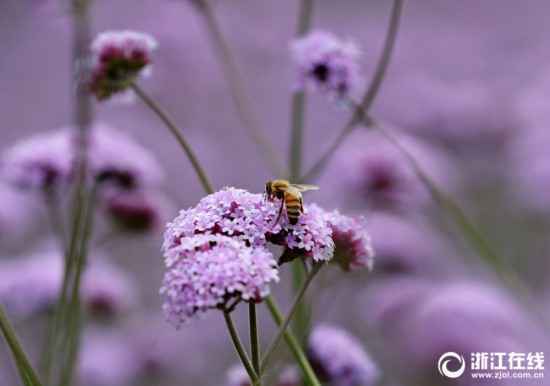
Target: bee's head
[268,189]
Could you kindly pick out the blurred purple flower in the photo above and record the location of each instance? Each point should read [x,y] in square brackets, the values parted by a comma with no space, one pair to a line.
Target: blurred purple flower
[16,214]
[419,320]
[250,218]
[208,271]
[118,58]
[236,376]
[41,161]
[328,64]
[30,285]
[339,358]
[370,171]
[116,158]
[353,249]
[47,160]
[135,211]
[107,359]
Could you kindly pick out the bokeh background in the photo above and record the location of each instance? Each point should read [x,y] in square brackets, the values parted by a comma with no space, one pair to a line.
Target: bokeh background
[467,90]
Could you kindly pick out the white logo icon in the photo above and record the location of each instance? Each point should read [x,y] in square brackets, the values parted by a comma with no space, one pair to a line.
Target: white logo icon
[443,363]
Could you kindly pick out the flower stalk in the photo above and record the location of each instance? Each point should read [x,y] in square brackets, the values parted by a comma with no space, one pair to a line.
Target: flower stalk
[236,87]
[254,337]
[239,348]
[307,371]
[360,111]
[176,132]
[26,371]
[284,325]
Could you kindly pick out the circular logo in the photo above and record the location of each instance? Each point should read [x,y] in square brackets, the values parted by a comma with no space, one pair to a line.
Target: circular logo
[443,363]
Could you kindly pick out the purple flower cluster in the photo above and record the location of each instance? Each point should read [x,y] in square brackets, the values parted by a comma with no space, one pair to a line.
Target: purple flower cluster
[353,248]
[47,160]
[371,171]
[31,285]
[118,58]
[328,64]
[216,252]
[207,271]
[250,218]
[339,358]
[41,161]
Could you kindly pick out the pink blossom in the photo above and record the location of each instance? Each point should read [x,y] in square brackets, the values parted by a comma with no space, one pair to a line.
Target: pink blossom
[118,58]
[327,63]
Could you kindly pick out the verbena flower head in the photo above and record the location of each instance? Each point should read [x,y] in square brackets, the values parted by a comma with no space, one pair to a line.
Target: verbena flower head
[373,172]
[353,248]
[116,159]
[251,218]
[339,358]
[310,237]
[133,211]
[118,58]
[42,161]
[327,63]
[30,285]
[207,271]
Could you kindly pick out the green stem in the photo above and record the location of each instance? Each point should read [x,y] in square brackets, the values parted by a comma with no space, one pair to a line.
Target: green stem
[284,326]
[366,103]
[236,87]
[240,348]
[74,312]
[177,134]
[292,342]
[298,103]
[26,371]
[55,218]
[254,338]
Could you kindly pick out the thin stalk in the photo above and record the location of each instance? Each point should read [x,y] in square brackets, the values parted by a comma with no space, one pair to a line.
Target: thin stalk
[82,118]
[370,95]
[297,123]
[74,313]
[297,108]
[284,326]
[254,337]
[236,87]
[307,371]
[26,371]
[468,229]
[240,348]
[55,218]
[176,132]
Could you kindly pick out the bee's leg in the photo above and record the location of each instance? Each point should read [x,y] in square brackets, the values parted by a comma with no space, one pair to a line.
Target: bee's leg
[301,205]
[280,213]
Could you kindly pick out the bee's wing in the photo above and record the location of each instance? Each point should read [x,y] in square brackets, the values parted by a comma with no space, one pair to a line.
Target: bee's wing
[304,187]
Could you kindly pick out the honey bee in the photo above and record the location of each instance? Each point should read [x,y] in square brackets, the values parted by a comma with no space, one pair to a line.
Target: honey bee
[290,196]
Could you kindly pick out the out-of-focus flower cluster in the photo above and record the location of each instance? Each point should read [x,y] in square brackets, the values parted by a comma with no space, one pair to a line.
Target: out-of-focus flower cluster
[328,64]
[127,174]
[339,358]
[31,285]
[118,58]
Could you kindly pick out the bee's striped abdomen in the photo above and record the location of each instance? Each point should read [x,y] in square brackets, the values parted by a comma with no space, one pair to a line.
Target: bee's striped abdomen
[293,207]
